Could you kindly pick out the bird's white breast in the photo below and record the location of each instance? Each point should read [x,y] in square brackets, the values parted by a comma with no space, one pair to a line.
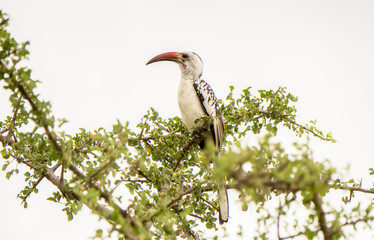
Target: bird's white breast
[189,104]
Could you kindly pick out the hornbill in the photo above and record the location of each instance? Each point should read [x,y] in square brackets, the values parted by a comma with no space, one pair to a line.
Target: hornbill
[195,100]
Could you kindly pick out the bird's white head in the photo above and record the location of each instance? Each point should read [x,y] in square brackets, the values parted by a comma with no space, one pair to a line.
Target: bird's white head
[190,63]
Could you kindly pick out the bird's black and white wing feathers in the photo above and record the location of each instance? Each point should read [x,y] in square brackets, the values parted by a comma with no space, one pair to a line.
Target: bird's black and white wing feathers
[211,108]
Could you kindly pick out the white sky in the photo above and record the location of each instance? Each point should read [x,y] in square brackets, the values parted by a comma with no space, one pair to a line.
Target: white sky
[90,56]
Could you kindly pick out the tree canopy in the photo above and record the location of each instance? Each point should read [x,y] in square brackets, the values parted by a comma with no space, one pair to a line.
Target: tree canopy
[154,182]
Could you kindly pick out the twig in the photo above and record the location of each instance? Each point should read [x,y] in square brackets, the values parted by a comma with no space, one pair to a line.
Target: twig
[102,168]
[144,175]
[4,21]
[271,102]
[174,200]
[356,189]
[35,184]
[210,203]
[4,130]
[141,138]
[195,216]
[249,179]
[327,233]
[306,129]
[50,136]
[185,149]
[10,128]
[354,222]
[292,236]
[278,218]
[189,190]
[41,121]
[198,135]
[278,224]
[135,180]
[53,169]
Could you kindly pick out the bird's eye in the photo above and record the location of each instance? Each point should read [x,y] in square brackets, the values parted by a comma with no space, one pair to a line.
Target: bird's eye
[185,55]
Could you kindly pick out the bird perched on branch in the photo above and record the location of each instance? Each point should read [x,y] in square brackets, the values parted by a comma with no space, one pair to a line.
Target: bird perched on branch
[196,99]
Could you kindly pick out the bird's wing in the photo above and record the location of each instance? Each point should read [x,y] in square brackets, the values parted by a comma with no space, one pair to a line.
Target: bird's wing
[211,108]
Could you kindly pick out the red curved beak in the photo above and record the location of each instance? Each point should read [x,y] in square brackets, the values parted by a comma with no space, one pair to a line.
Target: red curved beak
[169,56]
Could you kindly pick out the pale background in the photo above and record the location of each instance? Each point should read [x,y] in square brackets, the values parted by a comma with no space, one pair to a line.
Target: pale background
[91,55]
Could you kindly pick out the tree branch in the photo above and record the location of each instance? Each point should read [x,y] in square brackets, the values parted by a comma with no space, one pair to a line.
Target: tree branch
[198,133]
[356,189]
[185,192]
[327,233]
[210,203]
[59,183]
[306,129]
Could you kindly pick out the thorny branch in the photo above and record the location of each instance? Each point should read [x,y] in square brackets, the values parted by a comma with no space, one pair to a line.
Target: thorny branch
[356,189]
[49,174]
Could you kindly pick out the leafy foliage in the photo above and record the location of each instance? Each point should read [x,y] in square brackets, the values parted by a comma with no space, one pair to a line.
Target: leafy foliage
[154,182]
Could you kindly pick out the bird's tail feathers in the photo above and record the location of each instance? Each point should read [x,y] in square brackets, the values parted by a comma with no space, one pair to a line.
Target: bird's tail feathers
[223,201]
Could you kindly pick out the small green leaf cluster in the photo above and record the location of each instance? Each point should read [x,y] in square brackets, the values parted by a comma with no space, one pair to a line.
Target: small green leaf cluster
[251,113]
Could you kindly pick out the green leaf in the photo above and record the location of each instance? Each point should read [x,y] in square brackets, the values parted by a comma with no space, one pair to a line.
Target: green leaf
[4,167]
[4,154]
[9,174]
